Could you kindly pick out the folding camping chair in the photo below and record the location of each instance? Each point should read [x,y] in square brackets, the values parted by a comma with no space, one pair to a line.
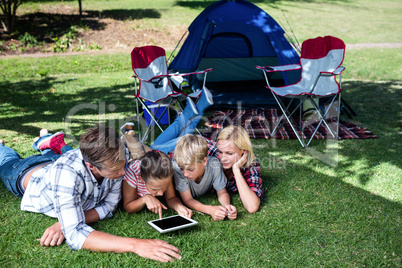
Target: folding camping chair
[155,85]
[320,62]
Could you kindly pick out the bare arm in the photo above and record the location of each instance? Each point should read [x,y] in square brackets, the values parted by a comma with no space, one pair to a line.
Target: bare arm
[223,197]
[217,212]
[133,203]
[99,241]
[250,200]
[53,236]
[147,248]
[175,203]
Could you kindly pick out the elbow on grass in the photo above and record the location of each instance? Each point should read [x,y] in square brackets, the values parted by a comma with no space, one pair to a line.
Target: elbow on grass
[253,208]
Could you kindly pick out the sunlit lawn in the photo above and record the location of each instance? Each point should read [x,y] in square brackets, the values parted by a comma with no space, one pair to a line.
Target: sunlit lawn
[313,214]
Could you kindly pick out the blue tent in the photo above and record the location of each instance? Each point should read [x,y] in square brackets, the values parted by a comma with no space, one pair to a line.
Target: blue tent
[233,37]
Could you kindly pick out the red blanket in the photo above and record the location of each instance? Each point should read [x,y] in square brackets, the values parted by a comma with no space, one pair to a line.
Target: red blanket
[259,122]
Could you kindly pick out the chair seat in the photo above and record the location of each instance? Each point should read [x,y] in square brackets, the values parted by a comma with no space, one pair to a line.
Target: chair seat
[297,91]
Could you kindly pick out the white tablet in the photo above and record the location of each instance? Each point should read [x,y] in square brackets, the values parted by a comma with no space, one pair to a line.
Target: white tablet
[172,223]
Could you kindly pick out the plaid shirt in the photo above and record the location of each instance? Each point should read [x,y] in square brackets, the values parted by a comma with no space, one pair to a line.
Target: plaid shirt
[67,188]
[252,174]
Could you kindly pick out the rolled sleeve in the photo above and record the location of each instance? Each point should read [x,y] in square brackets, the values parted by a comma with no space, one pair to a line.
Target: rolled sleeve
[68,205]
[253,179]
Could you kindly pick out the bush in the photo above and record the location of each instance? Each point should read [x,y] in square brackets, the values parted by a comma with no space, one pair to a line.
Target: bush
[28,40]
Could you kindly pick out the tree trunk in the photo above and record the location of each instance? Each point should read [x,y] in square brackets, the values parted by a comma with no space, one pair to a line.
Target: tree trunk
[80,8]
[9,9]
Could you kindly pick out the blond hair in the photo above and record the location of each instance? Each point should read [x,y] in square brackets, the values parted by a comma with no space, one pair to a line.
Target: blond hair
[190,149]
[239,136]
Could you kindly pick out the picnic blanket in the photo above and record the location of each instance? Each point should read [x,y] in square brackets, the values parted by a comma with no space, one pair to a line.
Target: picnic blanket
[260,122]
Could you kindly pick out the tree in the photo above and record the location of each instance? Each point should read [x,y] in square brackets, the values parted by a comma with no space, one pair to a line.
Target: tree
[80,8]
[9,8]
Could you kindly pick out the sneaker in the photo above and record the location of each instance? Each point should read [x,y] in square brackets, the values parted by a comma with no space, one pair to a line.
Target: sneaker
[208,95]
[126,127]
[191,103]
[54,142]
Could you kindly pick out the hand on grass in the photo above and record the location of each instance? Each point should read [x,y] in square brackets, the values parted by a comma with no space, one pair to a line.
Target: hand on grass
[154,205]
[218,213]
[232,212]
[156,250]
[53,236]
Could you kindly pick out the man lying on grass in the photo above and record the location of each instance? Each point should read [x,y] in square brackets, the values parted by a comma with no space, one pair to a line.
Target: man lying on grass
[79,187]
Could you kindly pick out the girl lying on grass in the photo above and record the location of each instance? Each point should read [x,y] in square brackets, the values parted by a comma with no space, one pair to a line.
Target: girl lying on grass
[147,178]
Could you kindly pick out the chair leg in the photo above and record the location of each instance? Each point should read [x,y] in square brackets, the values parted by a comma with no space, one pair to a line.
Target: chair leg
[137,101]
[323,120]
[323,116]
[288,118]
[138,118]
[280,123]
[338,115]
[154,120]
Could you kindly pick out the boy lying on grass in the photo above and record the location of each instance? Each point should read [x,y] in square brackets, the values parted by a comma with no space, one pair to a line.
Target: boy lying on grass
[196,174]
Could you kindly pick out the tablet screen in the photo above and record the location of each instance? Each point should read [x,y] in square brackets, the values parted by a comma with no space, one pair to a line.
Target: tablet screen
[172,223]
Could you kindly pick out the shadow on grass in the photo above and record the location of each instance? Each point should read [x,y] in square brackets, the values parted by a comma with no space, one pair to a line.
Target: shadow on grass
[34,101]
[40,104]
[302,208]
[377,104]
[311,206]
[46,26]
[126,14]
[271,3]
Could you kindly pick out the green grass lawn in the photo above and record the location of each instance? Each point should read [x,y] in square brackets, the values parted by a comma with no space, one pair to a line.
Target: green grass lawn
[313,214]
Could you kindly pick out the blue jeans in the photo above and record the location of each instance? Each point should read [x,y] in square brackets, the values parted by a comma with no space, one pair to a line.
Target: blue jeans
[12,166]
[182,125]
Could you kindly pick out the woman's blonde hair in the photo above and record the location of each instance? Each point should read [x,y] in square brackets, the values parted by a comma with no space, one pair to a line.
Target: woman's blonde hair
[239,136]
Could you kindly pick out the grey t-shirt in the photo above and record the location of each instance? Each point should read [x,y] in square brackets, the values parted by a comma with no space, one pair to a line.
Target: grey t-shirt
[213,177]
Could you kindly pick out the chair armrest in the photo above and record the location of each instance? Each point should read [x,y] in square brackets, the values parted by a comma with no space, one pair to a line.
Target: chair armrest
[283,68]
[338,70]
[153,79]
[186,74]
